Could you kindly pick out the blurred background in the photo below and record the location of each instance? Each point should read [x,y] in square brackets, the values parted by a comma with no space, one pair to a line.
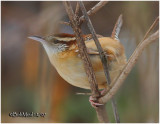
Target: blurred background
[30,84]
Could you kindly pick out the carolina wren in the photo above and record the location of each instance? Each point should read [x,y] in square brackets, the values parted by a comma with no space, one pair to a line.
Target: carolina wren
[64,55]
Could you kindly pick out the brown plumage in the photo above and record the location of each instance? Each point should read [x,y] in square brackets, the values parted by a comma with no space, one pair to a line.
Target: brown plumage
[64,55]
[70,66]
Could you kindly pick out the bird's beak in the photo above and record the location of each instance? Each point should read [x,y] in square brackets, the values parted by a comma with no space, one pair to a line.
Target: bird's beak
[37,38]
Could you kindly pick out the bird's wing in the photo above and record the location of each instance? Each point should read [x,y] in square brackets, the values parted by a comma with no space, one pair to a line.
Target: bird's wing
[92,51]
[108,45]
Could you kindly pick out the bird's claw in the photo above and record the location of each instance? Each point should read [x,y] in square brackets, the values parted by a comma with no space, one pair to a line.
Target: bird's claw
[93,103]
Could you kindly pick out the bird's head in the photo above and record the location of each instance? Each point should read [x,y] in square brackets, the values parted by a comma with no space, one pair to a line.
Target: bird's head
[57,43]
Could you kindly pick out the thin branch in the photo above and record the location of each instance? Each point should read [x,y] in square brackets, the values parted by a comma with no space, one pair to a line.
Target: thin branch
[77,9]
[102,55]
[146,35]
[83,50]
[100,50]
[65,23]
[94,9]
[131,62]
[115,111]
[148,32]
[101,113]
[83,94]
[152,27]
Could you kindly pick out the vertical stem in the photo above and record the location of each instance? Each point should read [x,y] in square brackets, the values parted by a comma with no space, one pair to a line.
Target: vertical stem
[102,56]
[101,113]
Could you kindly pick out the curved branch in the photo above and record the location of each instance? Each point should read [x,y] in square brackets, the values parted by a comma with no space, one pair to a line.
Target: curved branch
[151,28]
[131,62]
[94,9]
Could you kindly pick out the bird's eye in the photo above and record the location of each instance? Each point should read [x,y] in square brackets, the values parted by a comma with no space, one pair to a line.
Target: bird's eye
[56,41]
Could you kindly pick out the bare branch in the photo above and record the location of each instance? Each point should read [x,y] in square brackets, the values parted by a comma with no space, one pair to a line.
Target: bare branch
[65,23]
[94,9]
[101,113]
[83,50]
[151,28]
[100,50]
[83,94]
[102,55]
[131,62]
[77,9]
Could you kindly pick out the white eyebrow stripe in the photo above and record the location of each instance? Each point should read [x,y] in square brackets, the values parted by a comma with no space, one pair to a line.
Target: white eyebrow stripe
[66,39]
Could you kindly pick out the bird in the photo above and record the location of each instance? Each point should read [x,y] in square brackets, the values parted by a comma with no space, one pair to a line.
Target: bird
[63,53]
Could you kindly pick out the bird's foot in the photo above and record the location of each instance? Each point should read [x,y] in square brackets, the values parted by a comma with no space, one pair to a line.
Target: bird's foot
[93,103]
[92,100]
[102,92]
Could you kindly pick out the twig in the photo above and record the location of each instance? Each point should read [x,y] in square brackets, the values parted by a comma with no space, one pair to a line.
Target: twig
[151,28]
[146,35]
[100,50]
[134,57]
[102,56]
[65,23]
[77,9]
[94,9]
[83,94]
[115,111]
[131,62]
[101,113]
[83,50]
